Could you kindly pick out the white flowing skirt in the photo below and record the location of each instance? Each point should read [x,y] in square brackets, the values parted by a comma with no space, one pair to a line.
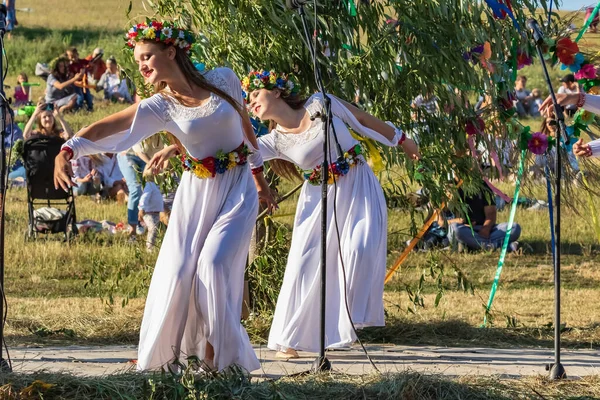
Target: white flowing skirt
[196,291]
[362,221]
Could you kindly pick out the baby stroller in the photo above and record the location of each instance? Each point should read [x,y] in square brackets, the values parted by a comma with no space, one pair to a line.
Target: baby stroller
[38,158]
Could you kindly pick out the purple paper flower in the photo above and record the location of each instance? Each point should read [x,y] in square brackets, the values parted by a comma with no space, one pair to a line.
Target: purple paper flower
[523,60]
[538,143]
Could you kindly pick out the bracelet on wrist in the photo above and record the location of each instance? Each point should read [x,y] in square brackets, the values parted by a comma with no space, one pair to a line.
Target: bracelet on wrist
[402,138]
[69,151]
[257,170]
[581,100]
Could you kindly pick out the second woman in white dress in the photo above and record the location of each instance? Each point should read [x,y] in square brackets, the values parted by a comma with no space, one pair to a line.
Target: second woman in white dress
[360,208]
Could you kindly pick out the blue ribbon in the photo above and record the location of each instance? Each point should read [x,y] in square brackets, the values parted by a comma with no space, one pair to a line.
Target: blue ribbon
[498,8]
[550,208]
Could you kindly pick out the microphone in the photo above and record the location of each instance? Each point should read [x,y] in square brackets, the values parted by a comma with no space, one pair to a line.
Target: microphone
[538,35]
[295,4]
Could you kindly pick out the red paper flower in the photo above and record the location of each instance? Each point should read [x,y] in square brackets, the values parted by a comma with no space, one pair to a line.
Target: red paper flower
[566,50]
[475,126]
[523,60]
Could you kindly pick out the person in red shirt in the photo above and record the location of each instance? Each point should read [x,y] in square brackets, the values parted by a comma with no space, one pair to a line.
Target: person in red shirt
[97,66]
[77,64]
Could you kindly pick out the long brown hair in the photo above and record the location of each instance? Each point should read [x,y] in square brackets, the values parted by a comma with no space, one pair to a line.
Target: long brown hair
[193,76]
[545,127]
[56,131]
[283,168]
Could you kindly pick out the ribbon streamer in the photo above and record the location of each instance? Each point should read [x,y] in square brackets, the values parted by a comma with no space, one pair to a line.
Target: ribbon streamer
[415,240]
[588,23]
[411,245]
[550,209]
[374,155]
[500,11]
[511,218]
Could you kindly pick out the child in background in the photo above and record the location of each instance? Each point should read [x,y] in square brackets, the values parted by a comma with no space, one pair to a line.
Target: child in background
[150,207]
[536,102]
[21,92]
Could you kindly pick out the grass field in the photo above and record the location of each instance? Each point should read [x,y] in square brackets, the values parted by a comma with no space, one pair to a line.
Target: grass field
[54,300]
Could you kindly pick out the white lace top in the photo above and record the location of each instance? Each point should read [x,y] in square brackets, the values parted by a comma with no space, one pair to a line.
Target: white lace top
[306,149]
[203,130]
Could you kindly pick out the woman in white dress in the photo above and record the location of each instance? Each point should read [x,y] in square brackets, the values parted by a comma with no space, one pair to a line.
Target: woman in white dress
[361,215]
[195,297]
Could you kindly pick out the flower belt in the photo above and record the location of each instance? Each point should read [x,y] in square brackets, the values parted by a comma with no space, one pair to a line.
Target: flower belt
[338,168]
[210,166]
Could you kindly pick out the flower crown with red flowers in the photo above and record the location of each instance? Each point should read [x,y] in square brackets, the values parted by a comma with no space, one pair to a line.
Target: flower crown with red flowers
[157,31]
[269,80]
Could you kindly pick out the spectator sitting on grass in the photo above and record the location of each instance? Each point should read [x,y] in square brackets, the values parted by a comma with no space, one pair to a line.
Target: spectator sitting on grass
[96,65]
[47,116]
[536,102]
[85,177]
[60,89]
[78,67]
[115,88]
[113,184]
[21,95]
[478,229]
[524,98]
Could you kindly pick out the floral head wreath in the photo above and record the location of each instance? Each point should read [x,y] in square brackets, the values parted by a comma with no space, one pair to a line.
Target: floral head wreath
[165,32]
[269,80]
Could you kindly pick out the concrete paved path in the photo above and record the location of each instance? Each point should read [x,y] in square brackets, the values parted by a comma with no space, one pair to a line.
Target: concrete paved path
[518,362]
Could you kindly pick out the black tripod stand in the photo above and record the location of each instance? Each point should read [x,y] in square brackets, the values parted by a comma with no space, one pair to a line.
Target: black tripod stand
[557,371]
[4,109]
[321,363]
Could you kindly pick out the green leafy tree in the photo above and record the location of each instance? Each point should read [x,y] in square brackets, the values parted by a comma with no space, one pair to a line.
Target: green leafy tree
[391,51]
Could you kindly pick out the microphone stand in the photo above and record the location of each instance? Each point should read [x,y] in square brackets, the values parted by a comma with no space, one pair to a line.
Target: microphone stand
[4,109]
[557,371]
[321,363]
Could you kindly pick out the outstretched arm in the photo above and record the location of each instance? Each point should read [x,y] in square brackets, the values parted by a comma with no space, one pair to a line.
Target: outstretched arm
[388,131]
[110,125]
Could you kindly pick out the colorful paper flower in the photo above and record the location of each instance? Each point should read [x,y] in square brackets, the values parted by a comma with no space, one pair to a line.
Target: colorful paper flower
[566,50]
[538,143]
[574,67]
[585,117]
[587,71]
[523,60]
